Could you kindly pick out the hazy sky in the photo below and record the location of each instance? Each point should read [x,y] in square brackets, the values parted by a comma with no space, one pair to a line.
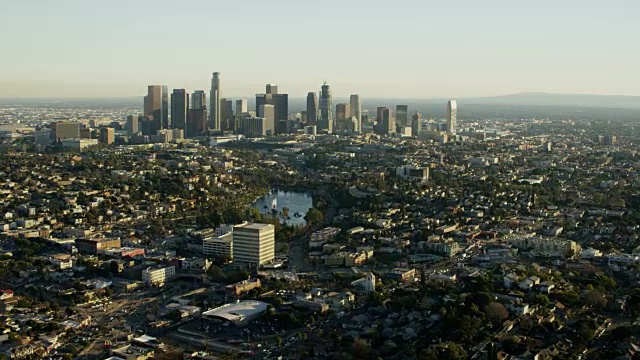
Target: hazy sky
[398,48]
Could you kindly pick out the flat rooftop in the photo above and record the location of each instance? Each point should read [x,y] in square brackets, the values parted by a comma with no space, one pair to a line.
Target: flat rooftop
[256,226]
[228,237]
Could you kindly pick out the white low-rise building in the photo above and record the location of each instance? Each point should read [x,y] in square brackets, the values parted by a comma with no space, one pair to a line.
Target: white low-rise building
[78,144]
[413,172]
[366,284]
[62,262]
[550,245]
[159,276]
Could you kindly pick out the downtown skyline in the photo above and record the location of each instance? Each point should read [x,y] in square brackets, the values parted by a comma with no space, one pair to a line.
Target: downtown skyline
[436,50]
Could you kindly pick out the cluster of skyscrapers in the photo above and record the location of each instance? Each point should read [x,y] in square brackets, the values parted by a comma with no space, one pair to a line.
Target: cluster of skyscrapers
[188,115]
[191,114]
[319,113]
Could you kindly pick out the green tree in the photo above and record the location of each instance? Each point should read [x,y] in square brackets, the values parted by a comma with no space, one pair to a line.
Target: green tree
[314,216]
[496,312]
[595,298]
[466,328]
[216,274]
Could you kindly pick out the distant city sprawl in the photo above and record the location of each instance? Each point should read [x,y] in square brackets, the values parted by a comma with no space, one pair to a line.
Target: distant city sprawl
[191,225]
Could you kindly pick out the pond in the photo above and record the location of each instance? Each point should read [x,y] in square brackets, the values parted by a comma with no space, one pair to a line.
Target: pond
[297,203]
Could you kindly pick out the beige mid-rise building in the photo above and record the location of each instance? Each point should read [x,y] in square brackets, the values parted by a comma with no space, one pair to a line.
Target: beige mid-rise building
[254,243]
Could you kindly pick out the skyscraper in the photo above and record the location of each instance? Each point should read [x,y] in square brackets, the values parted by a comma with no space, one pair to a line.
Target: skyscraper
[402,115]
[272,89]
[416,124]
[312,108]
[132,124]
[214,98]
[197,119]
[388,122]
[261,99]
[241,107]
[165,107]
[268,113]
[325,122]
[280,102]
[342,112]
[153,100]
[107,135]
[452,116]
[356,112]
[343,119]
[281,105]
[156,106]
[226,114]
[379,111]
[179,108]
[196,123]
[199,100]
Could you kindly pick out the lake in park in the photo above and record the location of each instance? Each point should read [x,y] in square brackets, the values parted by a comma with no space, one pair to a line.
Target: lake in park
[273,203]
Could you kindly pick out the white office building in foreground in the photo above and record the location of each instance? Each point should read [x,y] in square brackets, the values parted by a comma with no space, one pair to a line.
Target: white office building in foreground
[254,243]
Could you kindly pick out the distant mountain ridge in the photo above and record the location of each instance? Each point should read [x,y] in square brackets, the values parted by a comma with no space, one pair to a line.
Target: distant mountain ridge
[549,99]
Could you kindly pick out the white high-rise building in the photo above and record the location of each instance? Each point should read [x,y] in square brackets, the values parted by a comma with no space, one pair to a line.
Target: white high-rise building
[356,112]
[242,107]
[214,99]
[452,115]
[254,243]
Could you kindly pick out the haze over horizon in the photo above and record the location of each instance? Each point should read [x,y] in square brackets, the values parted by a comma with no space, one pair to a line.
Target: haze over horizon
[405,49]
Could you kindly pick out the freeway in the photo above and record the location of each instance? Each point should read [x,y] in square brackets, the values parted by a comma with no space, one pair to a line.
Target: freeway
[205,343]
